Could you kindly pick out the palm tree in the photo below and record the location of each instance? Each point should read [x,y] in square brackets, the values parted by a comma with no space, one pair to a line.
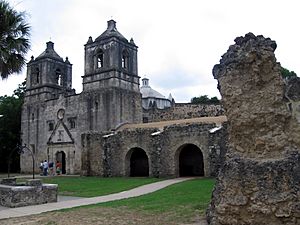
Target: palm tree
[14,40]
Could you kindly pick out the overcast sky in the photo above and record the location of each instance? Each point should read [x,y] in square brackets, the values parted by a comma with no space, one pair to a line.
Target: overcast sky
[179,41]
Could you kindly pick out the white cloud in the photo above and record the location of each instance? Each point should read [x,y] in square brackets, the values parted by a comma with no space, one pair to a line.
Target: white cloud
[185,38]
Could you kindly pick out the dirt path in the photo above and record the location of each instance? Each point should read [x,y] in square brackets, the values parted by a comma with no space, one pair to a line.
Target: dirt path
[101,216]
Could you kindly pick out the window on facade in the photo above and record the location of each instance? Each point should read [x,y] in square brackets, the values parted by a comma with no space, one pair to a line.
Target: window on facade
[50,126]
[100,59]
[58,76]
[125,59]
[37,75]
[72,123]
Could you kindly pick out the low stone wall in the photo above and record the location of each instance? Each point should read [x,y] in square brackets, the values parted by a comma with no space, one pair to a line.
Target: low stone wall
[33,192]
[182,111]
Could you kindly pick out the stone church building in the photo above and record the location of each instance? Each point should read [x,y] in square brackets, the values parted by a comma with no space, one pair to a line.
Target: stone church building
[100,131]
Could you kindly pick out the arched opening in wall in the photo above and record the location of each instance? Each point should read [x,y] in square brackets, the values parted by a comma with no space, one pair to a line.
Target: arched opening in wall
[99,58]
[190,161]
[58,76]
[125,59]
[139,164]
[61,158]
[37,75]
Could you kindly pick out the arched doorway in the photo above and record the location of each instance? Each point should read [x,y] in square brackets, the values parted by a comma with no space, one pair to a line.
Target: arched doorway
[139,165]
[61,157]
[190,161]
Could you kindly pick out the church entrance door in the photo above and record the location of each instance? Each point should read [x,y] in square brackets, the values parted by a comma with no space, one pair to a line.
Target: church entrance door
[61,157]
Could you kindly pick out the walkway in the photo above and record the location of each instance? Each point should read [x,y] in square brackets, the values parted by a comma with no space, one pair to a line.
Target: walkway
[64,204]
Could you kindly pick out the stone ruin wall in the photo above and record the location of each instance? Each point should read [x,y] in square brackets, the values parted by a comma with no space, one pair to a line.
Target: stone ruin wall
[105,154]
[182,111]
[260,180]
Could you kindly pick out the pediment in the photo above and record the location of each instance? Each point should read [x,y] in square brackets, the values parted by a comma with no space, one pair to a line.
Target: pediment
[61,134]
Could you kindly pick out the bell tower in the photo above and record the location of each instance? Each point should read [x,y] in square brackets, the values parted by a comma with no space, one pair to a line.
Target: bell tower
[111,81]
[111,61]
[48,75]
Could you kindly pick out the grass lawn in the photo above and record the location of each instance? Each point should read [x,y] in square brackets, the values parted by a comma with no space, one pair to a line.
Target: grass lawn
[183,200]
[95,186]
[182,203]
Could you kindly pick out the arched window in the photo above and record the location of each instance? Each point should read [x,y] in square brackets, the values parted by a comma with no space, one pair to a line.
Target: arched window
[100,59]
[51,126]
[58,76]
[125,60]
[37,75]
[72,122]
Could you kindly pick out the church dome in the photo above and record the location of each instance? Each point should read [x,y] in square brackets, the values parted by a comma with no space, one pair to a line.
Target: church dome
[111,31]
[148,92]
[152,98]
[50,52]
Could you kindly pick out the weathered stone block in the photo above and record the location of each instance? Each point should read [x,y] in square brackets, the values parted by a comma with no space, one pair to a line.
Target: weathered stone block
[18,196]
[9,181]
[34,182]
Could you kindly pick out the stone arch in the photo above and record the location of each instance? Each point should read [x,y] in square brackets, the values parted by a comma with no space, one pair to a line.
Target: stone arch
[137,163]
[125,59]
[37,75]
[189,161]
[58,77]
[61,157]
[99,58]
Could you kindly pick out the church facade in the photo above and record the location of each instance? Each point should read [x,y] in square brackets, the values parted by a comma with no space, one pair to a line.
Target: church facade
[54,117]
[56,121]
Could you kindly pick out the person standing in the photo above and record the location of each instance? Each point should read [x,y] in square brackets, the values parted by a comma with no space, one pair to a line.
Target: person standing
[42,168]
[51,168]
[45,167]
[58,167]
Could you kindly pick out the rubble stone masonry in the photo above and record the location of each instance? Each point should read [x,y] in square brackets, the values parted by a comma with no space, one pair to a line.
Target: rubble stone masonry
[260,179]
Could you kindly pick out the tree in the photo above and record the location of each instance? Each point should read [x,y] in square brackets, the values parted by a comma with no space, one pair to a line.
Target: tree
[204,99]
[10,128]
[286,74]
[14,40]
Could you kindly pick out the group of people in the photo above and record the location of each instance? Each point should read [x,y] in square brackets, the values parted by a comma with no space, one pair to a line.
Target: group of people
[48,168]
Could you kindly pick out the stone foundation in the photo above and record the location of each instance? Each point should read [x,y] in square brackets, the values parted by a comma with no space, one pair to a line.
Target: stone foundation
[33,192]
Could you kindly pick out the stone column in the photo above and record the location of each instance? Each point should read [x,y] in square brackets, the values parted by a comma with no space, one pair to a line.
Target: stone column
[260,179]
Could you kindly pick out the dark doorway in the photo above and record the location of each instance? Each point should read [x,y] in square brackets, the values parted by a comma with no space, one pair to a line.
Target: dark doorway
[61,157]
[191,161]
[139,166]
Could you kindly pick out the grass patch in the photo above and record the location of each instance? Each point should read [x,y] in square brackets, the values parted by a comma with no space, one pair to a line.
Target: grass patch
[183,200]
[95,186]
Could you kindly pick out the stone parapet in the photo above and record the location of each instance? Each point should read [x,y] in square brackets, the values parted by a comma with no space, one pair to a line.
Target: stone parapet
[182,111]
